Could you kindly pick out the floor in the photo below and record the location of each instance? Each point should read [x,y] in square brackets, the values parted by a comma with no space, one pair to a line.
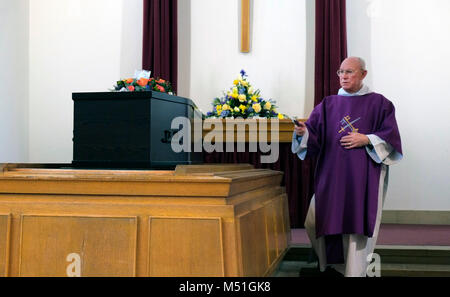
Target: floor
[429,240]
[394,234]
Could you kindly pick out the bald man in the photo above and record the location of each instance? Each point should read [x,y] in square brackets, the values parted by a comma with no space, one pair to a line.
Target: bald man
[355,137]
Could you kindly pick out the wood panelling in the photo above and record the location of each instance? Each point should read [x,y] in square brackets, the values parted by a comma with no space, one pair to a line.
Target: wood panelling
[281,225]
[253,243]
[5,226]
[271,229]
[186,247]
[220,220]
[287,222]
[105,246]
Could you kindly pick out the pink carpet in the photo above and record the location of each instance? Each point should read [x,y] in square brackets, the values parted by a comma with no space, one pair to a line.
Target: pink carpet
[393,234]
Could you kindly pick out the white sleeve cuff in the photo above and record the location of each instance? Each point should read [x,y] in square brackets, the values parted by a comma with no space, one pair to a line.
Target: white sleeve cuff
[299,145]
[382,152]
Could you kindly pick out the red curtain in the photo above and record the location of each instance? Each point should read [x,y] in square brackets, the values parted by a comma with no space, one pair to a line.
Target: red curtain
[297,178]
[331,46]
[160,47]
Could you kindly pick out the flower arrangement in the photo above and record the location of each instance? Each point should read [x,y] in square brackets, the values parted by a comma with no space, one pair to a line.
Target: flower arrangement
[143,82]
[243,101]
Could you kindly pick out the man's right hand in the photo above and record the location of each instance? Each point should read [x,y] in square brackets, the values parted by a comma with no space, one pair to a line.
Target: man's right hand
[300,130]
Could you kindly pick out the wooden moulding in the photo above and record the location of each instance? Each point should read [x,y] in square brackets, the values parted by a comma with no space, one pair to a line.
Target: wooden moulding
[210,168]
[285,129]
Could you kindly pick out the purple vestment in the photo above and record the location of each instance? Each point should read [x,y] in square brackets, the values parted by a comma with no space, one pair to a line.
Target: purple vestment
[347,181]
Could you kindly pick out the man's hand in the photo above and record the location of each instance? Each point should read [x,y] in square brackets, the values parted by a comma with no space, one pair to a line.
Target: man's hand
[354,140]
[300,130]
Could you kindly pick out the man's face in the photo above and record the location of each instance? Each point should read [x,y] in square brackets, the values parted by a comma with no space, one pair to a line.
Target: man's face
[352,75]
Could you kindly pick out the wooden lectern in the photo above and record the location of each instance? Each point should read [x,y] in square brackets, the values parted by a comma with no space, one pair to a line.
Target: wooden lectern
[198,220]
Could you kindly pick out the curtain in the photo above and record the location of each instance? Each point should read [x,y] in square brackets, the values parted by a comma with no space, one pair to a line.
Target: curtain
[331,50]
[160,46]
[297,178]
[331,46]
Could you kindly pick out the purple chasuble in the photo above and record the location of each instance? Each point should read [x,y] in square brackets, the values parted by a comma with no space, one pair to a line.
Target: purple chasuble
[347,181]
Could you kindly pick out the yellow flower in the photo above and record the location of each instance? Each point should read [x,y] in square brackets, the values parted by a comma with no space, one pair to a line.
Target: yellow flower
[236,109]
[225,107]
[267,105]
[255,98]
[235,82]
[242,107]
[280,116]
[256,107]
[234,95]
[244,83]
[219,108]
[242,98]
[235,90]
[250,90]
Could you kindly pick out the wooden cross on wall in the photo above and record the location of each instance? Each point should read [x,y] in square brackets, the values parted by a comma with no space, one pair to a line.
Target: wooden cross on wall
[245,26]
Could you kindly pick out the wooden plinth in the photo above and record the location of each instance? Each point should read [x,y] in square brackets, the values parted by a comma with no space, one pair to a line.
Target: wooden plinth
[205,220]
[227,130]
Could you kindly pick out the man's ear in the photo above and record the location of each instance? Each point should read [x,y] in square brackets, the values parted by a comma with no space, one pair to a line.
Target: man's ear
[364,74]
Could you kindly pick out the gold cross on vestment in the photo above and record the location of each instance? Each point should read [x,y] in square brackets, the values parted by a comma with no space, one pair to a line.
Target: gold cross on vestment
[245,26]
[345,122]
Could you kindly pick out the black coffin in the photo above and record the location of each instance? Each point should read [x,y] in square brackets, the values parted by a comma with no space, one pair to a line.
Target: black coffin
[129,130]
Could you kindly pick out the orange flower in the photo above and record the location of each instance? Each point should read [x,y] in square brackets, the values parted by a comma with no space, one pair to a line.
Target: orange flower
[161,81]
[160,88]
[142,82]
[131,88]
[129,81]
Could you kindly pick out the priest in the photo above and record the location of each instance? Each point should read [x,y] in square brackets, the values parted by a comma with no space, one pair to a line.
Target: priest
[355,137]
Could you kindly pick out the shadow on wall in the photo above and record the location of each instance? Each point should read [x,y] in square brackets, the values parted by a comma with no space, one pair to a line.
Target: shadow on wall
[184,49]
[359,31]
[131,44]
[310,52]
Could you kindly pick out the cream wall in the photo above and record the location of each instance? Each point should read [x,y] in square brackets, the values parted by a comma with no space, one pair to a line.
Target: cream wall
[406,44]
[75,46]
[279,63]
[13,81]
